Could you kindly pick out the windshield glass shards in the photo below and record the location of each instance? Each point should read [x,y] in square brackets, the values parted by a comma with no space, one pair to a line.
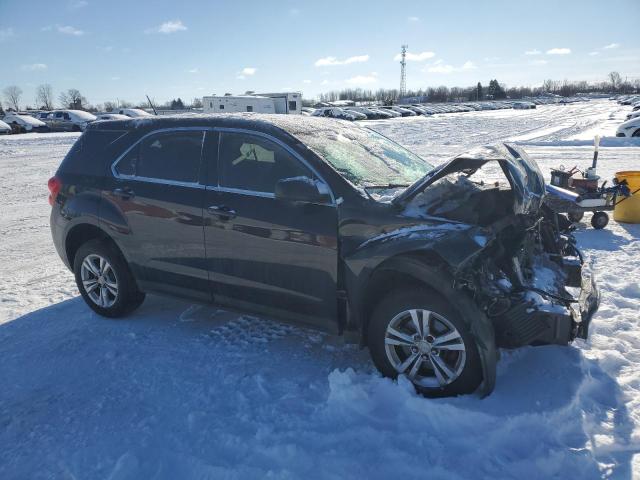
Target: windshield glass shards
[366,158]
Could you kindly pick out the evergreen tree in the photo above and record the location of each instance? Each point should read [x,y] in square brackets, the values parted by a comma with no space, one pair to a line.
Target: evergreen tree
[177,104]
[495,90]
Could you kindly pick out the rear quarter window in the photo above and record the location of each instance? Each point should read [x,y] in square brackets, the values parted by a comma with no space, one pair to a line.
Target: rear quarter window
[91,152]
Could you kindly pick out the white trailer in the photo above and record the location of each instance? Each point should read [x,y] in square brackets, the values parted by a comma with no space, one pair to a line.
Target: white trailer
[238,103]
[286,102]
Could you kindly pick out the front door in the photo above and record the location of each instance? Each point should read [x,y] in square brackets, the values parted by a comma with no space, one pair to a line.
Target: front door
[156,189]
[265,254]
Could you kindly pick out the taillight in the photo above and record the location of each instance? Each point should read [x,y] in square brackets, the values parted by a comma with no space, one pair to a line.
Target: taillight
[54,185]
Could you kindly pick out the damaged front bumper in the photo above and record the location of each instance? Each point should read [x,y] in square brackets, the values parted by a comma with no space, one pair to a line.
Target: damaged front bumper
[535,319]
[532,296]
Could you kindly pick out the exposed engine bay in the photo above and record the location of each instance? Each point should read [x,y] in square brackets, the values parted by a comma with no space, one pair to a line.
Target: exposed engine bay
[527,280]
[525,272]
[466,201]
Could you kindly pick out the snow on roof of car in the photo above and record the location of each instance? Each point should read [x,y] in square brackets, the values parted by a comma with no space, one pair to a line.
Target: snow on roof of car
[81,114]
[289,123]
[25,118]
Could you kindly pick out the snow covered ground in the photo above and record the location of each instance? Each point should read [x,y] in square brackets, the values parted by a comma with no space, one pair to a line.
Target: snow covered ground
[190,391]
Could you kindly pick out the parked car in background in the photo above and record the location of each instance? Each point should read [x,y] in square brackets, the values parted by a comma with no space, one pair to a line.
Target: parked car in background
[523,105]
[5,128]
[329,225]
[367,112]
[629,100]
[356,113]
[307,111]
[630,128]
[633,115]
[134,112]
[22,123]
[387,112]
[112,116]
[402,111]
[69,120]
[335,112]
[414,109]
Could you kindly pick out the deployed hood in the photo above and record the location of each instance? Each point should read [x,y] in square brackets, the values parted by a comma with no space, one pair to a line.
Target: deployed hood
[523,175]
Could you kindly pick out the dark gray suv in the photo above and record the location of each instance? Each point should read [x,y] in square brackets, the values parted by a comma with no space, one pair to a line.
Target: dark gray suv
[328,225]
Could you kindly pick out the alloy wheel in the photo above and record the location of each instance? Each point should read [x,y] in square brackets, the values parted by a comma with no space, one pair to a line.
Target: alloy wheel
[99,280]
[426,347]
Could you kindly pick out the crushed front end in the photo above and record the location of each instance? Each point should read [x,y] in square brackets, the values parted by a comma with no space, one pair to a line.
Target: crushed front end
[517,260]
[531,281]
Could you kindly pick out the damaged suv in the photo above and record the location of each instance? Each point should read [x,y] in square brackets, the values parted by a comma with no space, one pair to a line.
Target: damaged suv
[328,225]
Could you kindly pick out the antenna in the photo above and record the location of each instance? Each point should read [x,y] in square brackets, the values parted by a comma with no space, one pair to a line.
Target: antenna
[403,70]
[154,108]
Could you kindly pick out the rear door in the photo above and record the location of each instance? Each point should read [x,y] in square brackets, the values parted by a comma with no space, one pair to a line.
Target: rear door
[156,188]
[269,255]
[56,121]
[66,123]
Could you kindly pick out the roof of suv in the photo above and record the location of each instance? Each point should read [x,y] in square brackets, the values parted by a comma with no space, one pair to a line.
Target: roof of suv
[256,121]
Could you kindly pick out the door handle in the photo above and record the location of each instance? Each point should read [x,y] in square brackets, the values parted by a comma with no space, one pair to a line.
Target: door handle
[124,193]
[224,212]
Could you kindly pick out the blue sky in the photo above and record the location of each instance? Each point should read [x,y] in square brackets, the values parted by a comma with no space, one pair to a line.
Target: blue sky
[125,49]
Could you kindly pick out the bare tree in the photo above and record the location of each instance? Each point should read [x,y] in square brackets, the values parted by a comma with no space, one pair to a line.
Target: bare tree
[110,106]
[72,99]
[44,96]
[615,79]
[12,95]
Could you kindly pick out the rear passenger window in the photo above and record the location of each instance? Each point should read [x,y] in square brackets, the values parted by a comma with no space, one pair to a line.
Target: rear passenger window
[127,165]
[173,156]
[250,162]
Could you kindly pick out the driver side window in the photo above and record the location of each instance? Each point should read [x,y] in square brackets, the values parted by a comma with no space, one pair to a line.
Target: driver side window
[251,162]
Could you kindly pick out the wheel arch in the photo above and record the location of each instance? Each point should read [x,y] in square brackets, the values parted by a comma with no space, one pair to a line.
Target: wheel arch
[81,234]
[398,271]
[425,269]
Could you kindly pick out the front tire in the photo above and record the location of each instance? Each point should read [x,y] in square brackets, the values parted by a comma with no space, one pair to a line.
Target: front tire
[417,333]
[105,281]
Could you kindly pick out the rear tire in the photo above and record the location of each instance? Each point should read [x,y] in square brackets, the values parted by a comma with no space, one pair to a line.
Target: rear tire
[446,355]
[599,220]
[105,280]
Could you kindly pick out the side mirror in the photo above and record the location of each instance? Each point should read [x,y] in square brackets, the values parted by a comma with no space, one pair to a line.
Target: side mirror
[302,189]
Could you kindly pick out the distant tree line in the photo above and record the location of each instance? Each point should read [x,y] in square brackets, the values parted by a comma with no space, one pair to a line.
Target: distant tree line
[73,98]
[495,90]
